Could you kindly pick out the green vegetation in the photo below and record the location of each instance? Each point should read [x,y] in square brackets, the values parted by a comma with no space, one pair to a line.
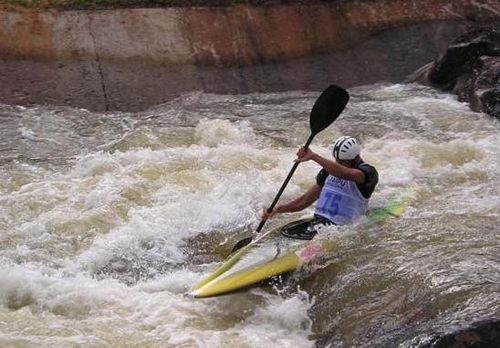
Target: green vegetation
[96,4]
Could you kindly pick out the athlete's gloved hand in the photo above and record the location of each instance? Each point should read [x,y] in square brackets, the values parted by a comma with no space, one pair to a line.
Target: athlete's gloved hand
[304,155]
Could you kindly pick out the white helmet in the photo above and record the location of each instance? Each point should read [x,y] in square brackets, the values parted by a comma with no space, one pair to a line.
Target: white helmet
[346,148]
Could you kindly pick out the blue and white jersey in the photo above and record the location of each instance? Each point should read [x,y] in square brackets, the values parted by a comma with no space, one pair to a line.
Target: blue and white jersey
[342,201]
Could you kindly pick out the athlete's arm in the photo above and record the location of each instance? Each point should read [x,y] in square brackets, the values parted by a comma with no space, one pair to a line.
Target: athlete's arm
[302,202]
[332,167]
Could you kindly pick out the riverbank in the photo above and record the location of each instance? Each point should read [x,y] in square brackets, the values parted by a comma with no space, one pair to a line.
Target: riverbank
[130,59]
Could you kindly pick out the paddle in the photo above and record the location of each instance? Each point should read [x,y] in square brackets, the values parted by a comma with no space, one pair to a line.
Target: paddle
[326,109]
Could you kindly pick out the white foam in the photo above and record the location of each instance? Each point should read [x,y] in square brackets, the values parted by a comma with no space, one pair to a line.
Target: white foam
[282,322]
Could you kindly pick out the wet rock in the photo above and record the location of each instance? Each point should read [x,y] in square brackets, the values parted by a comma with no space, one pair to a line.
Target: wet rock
[470,68]
[484,334]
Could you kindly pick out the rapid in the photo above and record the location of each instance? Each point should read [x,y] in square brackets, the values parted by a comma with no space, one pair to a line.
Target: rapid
[107,220]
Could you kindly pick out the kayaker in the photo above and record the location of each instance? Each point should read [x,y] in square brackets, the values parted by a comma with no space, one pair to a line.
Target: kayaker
[342,189]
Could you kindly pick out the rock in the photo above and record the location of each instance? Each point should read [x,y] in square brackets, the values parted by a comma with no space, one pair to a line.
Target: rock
[481,88]
[470,68]
[483,334]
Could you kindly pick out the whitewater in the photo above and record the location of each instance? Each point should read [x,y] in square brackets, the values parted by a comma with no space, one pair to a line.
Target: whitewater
[108,219]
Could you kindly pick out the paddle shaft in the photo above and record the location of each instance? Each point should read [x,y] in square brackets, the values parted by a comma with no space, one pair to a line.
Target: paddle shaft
[285,183]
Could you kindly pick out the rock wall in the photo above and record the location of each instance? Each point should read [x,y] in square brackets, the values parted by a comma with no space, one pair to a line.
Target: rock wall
[129,59]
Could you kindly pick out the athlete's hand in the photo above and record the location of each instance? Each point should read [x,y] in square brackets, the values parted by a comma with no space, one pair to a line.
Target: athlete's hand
[267,215]
[304,155]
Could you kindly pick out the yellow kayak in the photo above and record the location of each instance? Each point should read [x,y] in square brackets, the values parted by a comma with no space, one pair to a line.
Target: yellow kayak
[275,255]
[257,262]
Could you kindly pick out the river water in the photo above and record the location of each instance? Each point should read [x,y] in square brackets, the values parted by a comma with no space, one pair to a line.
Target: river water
[107,220]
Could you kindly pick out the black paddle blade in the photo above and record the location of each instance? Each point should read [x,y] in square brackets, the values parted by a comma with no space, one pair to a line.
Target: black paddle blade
[327,108]
[241,244]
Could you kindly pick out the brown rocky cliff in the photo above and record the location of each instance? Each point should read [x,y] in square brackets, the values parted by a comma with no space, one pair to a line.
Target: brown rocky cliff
[130,59]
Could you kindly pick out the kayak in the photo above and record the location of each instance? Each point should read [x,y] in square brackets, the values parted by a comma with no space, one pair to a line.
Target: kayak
[277,255]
